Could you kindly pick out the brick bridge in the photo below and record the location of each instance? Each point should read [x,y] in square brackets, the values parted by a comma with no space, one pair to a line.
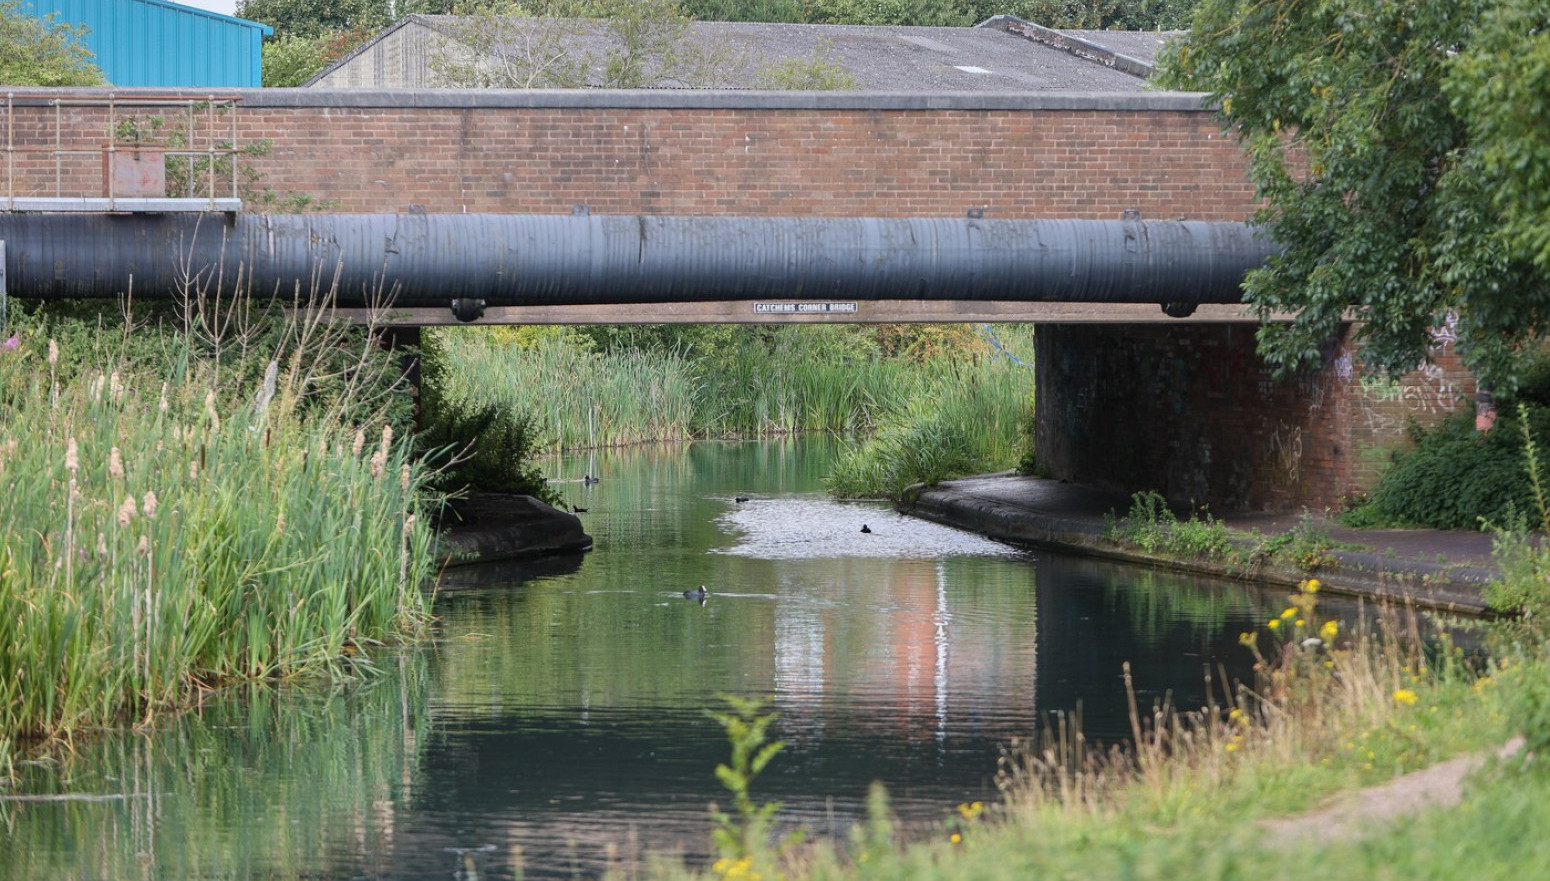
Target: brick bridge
[1130,403]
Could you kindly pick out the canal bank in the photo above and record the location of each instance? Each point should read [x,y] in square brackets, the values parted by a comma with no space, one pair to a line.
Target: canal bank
[1437,569]
[500,527]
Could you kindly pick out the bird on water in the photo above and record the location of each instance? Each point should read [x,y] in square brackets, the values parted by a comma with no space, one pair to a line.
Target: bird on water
[740,499]
[698,594]
[588,480]
[865,528]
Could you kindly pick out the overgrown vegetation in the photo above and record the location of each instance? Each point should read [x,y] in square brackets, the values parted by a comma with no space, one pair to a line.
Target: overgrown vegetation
[1400,163]
[486,446]
[1455,477]
[43,51]
[537,44]
[1152,526]
[195,496]
[924,402]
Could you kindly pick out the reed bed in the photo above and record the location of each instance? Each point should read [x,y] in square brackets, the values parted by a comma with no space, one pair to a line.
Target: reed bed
[581,397]
[578,398]
[964,422]
[164,532]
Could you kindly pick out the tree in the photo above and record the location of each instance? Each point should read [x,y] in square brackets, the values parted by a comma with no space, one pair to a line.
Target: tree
[292,59]
[41,52]
[1500,86]
[1370,177]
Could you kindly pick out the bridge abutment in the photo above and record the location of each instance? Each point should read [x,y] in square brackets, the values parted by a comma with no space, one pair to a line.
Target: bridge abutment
[1192,411]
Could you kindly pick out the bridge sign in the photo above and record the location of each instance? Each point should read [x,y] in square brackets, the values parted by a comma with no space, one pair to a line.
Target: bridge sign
[800,308]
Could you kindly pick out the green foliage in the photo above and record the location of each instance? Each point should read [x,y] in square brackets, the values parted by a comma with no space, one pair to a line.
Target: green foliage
[1101,14]
[291,59]
[1500,86]
[1138,15]
[1458,478]
[785,11]
[313,18]
[1369,176]
[965,416]
[485,446]
[744,835]
[532,45]
[1306,547]
[41,51]
[817,73]
[1153,527]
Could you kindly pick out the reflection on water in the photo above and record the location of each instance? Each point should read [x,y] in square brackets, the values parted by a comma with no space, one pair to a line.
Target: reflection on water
[558,722]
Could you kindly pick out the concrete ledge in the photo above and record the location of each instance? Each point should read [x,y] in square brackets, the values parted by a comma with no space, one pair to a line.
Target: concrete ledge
[661,99]
[491,527]
[1070,518]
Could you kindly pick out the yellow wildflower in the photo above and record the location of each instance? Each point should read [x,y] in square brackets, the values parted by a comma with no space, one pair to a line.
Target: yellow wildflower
[1288,613]
[1405,696]
[1329,631]
[1311,586]
[955,838]
[1275,624]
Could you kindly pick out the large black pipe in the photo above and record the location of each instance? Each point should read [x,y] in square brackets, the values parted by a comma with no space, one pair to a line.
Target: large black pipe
[517,260]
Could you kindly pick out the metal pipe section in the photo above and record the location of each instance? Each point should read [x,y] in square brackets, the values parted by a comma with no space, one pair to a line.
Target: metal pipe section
[417,260]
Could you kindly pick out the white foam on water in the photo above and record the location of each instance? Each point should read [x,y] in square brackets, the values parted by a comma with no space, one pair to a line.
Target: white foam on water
[815,527]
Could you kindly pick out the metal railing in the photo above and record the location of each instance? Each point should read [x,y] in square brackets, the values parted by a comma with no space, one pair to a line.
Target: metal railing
[196,137]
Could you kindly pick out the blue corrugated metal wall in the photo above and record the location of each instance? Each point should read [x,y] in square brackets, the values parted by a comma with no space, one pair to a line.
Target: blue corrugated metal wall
[155,43]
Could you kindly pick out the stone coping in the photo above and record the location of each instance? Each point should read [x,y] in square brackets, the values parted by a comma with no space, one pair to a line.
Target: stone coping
[644,99]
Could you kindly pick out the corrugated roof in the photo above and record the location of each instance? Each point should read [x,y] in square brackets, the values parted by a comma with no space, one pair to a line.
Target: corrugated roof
[974,59]
[157,43]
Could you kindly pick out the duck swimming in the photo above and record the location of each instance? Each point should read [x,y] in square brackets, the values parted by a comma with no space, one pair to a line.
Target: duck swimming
[740,499]
[865,528]
[698,594]
[588,480]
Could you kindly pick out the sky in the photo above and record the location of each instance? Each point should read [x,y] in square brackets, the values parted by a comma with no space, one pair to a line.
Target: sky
[224,7]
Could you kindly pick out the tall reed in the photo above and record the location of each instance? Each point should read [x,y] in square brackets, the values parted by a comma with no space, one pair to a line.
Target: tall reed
[956,423]
[775,383]
[166,530]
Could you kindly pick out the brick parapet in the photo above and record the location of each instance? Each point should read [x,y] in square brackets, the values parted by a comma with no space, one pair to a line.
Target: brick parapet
[772,154]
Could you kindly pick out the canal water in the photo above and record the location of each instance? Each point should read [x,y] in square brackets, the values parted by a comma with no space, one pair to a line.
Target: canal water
[558,723]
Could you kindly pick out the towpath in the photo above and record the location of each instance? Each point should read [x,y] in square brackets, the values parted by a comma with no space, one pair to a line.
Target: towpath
[1444,569]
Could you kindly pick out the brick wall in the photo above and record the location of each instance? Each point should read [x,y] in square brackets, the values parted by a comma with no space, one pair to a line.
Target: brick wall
[1191,411]
[1015,156]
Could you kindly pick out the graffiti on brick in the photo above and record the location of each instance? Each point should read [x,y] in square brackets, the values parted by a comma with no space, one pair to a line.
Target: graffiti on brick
[1286,451]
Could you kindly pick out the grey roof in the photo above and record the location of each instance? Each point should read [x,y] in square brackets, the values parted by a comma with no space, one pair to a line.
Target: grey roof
[1140,45]
[986,58]
[891,59]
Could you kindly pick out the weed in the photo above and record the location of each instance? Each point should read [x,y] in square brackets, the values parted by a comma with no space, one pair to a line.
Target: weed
[742,838]
[1307,547]
[1153,527]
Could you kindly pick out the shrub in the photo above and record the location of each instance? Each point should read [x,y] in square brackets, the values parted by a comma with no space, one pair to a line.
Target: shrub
[1458,478]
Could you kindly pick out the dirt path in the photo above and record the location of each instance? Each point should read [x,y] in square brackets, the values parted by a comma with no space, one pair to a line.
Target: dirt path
[1441,785]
